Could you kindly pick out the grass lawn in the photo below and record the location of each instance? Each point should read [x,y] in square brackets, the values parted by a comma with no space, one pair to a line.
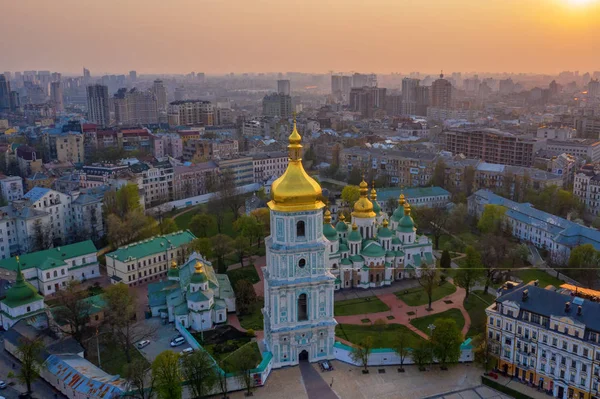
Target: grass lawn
[370,304]
[545,279]
[182,221]
[416,296]
[112,357]
[475,306]
[383,338]
[231,350]
[253,320]
[423,322]
[243,273]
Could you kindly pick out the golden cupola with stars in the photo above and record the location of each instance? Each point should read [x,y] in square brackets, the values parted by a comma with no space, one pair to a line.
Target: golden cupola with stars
[295,190]
[363,208]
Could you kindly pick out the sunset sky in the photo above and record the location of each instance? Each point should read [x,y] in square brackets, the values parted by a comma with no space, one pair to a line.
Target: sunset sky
[221,36]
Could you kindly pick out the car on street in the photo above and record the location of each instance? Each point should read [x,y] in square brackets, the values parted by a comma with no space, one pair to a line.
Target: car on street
[3,385]
[178,341]
[143,344]
[186,351]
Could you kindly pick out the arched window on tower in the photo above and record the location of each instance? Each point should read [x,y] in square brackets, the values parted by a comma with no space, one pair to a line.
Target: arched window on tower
[300,229]
[302,308]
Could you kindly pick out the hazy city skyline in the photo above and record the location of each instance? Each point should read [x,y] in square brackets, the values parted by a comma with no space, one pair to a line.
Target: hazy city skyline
[381,36]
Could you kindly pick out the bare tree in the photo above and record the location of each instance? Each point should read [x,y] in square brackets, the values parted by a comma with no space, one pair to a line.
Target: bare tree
[140,381]
[429,278]
[73,310]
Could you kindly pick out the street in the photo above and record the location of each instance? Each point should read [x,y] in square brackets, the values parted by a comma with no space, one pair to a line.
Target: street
[41,389]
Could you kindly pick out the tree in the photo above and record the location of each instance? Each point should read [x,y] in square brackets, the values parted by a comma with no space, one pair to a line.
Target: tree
[435,220]
[421,355]
[201,224]
[222,245]
[72,310]
[469,272]
[355,177]
[29,352]
[120,315]
[518,254]
[42,236]
[584,261]
[167,372]
[248,226]
[245,296]
[140,382]
[198,369]
[446,260]
[482,351]
[241,246]
[391,204]
[222,378]
[596,223]
[438,178]
[457,219]
[263,217]
[468,180]
[491,219]
[245,361]
[350,194]
[429,278]
[493,249]
[229,193]
[379,326]
[361,352]
[401,344]
[167,226]
[446,340]
[203,246]
[217,208]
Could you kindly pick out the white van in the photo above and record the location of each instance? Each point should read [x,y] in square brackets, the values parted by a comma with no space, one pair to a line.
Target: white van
[178,341]
[186,351]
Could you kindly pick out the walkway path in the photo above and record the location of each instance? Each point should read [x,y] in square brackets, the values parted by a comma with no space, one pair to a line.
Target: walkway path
[399,310]
[316,387]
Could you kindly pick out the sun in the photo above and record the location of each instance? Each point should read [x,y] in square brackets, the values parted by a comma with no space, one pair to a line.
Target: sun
[580,2]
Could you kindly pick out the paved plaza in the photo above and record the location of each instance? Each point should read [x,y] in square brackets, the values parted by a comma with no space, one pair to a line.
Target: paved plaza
[480,392]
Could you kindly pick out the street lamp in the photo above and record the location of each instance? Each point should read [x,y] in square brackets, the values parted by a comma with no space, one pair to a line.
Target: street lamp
[431,327]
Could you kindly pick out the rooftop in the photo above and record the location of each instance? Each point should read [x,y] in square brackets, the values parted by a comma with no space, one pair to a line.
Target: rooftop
[152,246]
[50,258]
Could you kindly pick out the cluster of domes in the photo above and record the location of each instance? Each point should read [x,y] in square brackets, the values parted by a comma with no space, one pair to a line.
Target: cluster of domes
[21,292]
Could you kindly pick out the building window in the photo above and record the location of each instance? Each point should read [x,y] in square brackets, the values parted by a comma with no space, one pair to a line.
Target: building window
[300,229]
[302,263]
[302,308]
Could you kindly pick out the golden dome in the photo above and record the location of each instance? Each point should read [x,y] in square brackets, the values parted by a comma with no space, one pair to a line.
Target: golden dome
[198,267]
[327,218]
[295,190]
[373,192]
[341,218]
[401,200]
[363,208]
[407,208]
[173,264]
[385,223]
[354,227]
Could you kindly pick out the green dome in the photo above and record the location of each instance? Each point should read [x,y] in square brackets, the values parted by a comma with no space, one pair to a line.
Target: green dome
[341,226]
[373,250]
[22,292]
[398,213]
[376,207]
[173,272]
[406,224]
[330,232]
[198,278]
[354,235]
[384,232]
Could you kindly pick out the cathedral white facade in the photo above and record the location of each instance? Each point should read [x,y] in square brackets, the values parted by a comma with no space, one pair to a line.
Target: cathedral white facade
[298,313]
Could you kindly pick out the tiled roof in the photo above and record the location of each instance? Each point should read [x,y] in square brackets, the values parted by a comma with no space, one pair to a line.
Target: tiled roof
[50,258]
[152,246]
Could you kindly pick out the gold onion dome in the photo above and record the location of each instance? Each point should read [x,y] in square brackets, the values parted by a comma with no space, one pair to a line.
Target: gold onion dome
[174,270]
[328,230]
[406,224]
[327,217]
[295,190]
[341,224]
[376,207]
[198,276]
[363,208]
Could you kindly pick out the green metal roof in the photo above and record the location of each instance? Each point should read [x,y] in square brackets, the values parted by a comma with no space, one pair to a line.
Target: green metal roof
[152,246]
[330,232]
[198,278]
[346,262]
[198,296]
[373,250]
[354,236]
[341,226]
[343,248]
[41,259]
[356,258]
[21,293]
[406,225]
[395,240]
[181,310]
[384,232]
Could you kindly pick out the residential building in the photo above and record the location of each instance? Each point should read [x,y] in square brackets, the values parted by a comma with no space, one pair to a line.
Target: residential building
[586,188]
[98,105]
[96,175]
[340,87]
[160,93]
[66,147]
[491,145]
[4,93]
[223,116]
[588,149]
[409,96]
[27,159]
[193,295]
[556,132]
[283,87]
[241,168]
[135,107]
[544,230]
[547,338]
[418,197]
[277,104]
[441,93]
[157,182]
[268,164]
[191,112]
[207,150]
[51,270]
[136,139]
[253,128]
[147,260]
[587,126]
[198,179]
[11,188]
[367,100]
[172,144]
[56,96]
[496,177]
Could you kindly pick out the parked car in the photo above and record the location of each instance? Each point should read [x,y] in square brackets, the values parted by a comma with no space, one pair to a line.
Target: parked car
[3,385]
[186,351]
[178,341]
[143,344]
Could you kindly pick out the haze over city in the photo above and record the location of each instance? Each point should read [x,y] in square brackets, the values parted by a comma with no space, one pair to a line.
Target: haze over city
[381,36]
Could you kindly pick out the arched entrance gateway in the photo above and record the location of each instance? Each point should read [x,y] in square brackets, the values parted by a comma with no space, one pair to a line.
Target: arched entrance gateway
[303,356]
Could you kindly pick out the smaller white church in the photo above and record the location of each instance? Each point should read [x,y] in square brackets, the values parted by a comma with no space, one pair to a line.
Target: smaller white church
[194,295]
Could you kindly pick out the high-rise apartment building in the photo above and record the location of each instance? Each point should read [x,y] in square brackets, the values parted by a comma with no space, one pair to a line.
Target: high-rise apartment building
[491,145]
[340,87]
[594,88]
[98,108]
[409,96]
[283,87]
[191,112]
[423,100]
[135,107]
[132,76]
[160,92]
[279,105]
[361,80]
[56,96]
[506,86]
[367,100]
[441,93]
[4,93]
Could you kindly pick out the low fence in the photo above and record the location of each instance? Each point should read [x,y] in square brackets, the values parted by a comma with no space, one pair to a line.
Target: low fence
[504,389]
[388,357]
[235,382]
